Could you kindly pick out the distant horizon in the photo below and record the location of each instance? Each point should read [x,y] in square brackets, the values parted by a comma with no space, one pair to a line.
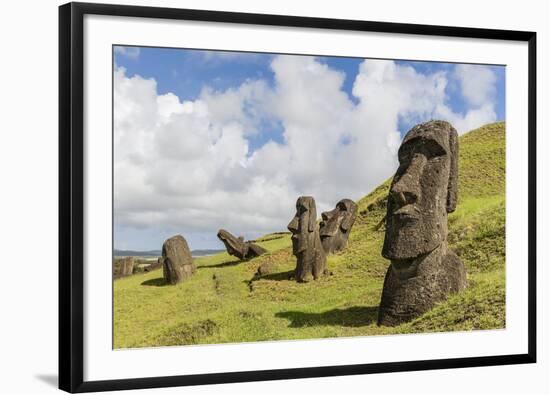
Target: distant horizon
[160,250]
[222,248]
[205,140]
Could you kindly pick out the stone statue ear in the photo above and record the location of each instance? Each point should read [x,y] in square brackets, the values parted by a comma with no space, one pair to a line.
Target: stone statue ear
[312,219]
[452,187]
[349,219]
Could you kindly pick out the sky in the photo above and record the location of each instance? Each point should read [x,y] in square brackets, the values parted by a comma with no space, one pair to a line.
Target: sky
[205,140]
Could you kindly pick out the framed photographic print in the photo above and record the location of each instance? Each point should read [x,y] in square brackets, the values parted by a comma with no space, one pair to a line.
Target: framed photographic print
[250,197]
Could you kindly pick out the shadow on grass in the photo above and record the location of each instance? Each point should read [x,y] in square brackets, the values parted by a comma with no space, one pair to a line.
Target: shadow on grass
[282,276]
[223,264]
[355,316]
[155,282]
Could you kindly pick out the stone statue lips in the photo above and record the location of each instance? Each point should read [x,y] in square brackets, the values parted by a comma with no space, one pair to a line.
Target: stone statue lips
[299,242]
[407,213]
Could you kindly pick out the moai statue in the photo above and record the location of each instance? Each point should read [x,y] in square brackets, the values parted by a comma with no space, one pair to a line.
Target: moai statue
[306,243]
[124,267]
[336,225]
[176,260]
[236,246]
[423,271]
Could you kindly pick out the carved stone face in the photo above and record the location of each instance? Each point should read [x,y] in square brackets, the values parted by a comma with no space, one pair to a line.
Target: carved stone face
[303,225]
[336,225]
[306,244]
[423,191]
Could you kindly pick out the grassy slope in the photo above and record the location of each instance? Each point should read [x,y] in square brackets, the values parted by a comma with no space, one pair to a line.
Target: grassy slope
[225,302]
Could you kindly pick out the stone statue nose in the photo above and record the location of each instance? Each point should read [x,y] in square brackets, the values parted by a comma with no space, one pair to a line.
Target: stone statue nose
[327,215]
[293,225]
[407,189]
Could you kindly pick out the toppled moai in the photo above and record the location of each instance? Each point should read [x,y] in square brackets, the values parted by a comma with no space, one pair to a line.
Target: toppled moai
[306,243]
[236,246]
[153,266]
[177,263]
[336,225]
[423,271]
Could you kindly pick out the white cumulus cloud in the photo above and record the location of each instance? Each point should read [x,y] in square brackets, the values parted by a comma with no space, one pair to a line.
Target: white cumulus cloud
[187,166]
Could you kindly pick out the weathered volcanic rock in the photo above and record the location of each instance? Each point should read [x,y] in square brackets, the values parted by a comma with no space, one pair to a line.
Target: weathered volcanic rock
[306,243]
[177,261]
[336,225]
[424,190]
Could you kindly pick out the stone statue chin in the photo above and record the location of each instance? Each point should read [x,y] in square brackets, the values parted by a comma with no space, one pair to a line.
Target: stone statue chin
[424,190]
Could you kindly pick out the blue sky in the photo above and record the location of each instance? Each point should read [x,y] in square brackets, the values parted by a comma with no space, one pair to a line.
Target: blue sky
[186,72]
[166,98]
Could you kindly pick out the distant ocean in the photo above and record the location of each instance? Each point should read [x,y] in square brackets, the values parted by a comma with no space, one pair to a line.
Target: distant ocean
[156,253]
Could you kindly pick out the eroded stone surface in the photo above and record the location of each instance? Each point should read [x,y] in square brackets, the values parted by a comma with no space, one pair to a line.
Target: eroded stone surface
[424,190]
[236,246]
[336,225]
[124,267]
[306,243]
[177,261]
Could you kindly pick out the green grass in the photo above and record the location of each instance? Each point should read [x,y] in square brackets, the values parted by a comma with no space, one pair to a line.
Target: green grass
[225,301]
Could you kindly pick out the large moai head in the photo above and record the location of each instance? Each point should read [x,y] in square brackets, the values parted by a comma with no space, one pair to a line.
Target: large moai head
[336,225]
[423,191]
[306,244]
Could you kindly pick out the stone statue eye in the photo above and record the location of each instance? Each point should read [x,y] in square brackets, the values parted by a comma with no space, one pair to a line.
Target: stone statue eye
[405,153]
[432,150]
[427,147]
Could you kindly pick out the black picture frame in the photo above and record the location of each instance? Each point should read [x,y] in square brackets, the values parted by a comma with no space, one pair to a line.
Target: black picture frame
[71,195]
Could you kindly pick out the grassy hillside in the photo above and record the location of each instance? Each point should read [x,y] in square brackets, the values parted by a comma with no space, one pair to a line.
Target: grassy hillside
[225,301]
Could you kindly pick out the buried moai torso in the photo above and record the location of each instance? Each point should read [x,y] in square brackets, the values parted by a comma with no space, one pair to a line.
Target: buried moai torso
[424,189]
[236,246]
[336,225]
[306,243]
[176,260]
